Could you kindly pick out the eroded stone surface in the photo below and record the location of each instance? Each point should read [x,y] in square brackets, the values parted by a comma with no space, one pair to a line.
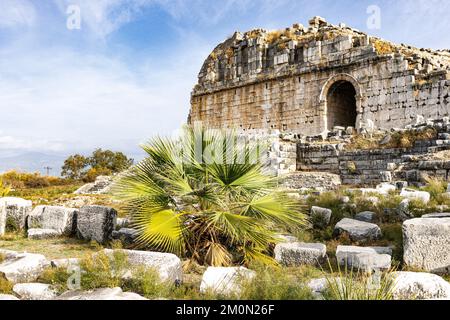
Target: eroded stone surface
[96,223]
[364,258]
[251,77]
[167,265]
[366,216]
[420,286]
[225,281]
[39,234]
[6,297]
[60,219]
[17,210]
[320,216]
[34,291]
[426,244]
[101,294]
[22,267]
[357,230]
[298,253]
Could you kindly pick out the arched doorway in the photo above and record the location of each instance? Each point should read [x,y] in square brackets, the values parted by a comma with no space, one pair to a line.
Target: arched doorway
[341,105]
[341,102]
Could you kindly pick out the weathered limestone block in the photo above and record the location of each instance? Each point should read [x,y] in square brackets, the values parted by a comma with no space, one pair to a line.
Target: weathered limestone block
[100,294]
[364,258]
[96,223]
[167,265]
[60,219]
[122,223]
[65,263]
[357,230]
[416,195]
[17,210]
[426,244]
[420,286]
[8,297]
[320,216]
[225,281]
[39,234]
[287,238]
[437,215]
[297,253]
[101,185]
[22,267]
[366,216]
[34,291]
[312,180]
[127,235]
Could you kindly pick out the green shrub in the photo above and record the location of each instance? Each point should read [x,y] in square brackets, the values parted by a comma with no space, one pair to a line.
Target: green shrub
[21,180]
[393,234]
[332,201]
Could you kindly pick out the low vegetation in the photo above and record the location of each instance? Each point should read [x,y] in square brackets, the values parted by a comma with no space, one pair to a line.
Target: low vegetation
[6,287]
[398,139]
[101,162]
[357,285]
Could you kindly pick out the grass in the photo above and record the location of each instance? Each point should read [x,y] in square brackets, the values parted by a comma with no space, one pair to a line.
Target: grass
[101,271]
[6,287]
[57,248]
[272,283]
[356,285]
[404,139]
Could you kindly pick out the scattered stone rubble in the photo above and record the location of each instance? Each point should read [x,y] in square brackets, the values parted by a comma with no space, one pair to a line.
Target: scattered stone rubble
[357,230]
[96,223]
[426,243]
[225,281]
[297,254]
[102,185]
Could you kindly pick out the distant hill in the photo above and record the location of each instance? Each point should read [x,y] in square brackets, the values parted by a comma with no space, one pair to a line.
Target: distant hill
[31,162]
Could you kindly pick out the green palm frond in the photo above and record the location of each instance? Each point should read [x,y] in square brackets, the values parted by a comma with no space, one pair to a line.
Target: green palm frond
[201,193]
[276,208]
[163,229]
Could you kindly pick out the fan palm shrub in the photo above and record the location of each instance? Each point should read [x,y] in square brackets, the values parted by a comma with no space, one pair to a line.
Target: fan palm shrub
[203,195]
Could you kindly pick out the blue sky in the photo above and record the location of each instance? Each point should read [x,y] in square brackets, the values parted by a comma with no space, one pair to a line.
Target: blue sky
[128,72]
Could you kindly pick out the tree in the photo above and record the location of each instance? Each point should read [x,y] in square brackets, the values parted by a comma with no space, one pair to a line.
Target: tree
[213,212]
[101,162]
[75,167]
[106,159]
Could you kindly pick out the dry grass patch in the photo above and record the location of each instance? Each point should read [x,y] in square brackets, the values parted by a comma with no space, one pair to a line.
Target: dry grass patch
[57,248]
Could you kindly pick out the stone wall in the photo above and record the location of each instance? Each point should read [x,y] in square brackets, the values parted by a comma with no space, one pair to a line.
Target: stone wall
[370,167]
[282,81]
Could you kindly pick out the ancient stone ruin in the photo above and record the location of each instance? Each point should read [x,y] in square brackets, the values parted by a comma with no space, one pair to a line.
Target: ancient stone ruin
[312,88]
[311,79]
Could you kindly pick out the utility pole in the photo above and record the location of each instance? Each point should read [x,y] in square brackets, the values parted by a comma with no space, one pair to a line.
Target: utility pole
[48,170]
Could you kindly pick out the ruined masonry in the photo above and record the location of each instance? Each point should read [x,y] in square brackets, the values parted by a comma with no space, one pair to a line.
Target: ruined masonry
[313,84]
[310,79]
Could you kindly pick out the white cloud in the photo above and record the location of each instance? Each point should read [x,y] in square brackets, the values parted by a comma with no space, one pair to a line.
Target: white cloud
[92,100]
[103,17]
[14,143]
[15,13]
